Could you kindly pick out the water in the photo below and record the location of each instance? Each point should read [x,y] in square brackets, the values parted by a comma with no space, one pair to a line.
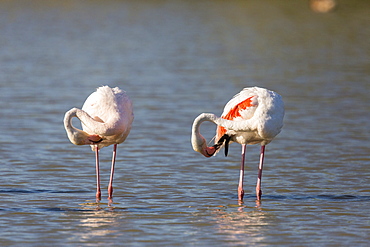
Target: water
[177,59]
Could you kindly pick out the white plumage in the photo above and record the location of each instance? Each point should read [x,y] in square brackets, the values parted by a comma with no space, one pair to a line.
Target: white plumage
[106,118]
[253,116]
[111,111]
[264,113]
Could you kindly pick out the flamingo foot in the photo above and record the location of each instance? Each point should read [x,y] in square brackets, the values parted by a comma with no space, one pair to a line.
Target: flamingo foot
[240,194]
[110,196]
[110,202]
[110,193]
[98,196]
[259,195]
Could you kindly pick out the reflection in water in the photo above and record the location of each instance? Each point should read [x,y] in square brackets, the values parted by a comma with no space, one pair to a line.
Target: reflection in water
[242,226]
[96,222]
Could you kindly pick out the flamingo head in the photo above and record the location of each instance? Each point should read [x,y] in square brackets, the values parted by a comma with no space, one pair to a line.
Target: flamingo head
[200,145]
[79,137]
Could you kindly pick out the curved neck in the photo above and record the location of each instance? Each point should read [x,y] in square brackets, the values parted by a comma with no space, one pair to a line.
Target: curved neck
[198,142]
[76,136]
[243,125]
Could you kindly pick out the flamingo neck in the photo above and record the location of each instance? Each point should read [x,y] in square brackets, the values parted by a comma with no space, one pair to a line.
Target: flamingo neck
[77,136]
[198,142]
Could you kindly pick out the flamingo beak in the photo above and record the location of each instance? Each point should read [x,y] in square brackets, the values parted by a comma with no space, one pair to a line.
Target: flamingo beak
[95,139]
[225,139]
[209,151]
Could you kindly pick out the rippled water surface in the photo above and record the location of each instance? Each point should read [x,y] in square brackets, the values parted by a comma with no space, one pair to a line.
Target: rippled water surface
[177,59]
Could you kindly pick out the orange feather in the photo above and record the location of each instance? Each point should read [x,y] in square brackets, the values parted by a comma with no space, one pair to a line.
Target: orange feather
[234,113]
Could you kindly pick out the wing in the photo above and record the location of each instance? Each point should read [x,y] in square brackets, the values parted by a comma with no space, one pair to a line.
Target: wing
[110,108]
[241,107]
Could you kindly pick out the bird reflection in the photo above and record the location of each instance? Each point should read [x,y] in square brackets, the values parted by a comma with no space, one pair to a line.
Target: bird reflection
[245,225]
[97,222]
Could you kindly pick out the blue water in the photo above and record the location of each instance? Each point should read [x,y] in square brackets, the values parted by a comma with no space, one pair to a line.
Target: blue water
[177,59]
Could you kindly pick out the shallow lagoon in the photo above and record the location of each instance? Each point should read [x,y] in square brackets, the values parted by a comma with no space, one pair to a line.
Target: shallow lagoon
[177,59]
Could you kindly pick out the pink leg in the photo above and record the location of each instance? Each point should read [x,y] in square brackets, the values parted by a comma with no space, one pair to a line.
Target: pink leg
[241,178]
[260,167]
[110,186]
[98,192]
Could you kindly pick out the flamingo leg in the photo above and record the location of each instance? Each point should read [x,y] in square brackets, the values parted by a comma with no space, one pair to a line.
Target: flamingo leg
[241,178]
[260,167]
[110,186]
[98,192]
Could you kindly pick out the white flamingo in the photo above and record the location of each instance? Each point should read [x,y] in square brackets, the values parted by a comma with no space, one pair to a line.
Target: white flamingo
[253,116]
[106,118]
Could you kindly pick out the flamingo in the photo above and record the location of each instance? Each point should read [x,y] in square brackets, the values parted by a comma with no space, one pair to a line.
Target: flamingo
[106,118]
[253,116]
